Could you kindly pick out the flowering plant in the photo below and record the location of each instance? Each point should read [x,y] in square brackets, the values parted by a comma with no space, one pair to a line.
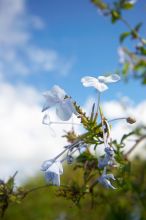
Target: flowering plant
[97,133]
[109,172]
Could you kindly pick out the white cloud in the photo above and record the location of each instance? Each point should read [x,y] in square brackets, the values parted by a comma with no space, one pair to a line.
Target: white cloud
[48,60]
[37,22]
[18,53]
[13,22]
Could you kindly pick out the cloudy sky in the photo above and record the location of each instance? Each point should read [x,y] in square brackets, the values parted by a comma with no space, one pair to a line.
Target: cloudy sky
[49,42]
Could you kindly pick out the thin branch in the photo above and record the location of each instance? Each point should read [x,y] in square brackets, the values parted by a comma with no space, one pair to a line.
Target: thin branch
[37,188]
[131,29]
[135,145]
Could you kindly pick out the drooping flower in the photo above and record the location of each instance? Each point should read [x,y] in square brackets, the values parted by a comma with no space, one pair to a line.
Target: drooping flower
[100,82]
[57,97]
[108,158]
[104,179]
[69,159]
[53,170]
[83,148]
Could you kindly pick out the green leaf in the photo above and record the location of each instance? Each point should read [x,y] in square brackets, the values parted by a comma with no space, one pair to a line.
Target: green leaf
[92,113]
[123,36]
[10,183]
[138,26]
[100,4]
[143,50]
[134,34]
[125,69]
[144,81]
[115,15]
[127,5]
[141,64]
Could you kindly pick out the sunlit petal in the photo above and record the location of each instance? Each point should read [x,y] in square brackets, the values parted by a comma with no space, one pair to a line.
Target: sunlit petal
[109,79]
[53,96]
[94,82]
[46,164]
[58,92]
[52,178]
[65,109]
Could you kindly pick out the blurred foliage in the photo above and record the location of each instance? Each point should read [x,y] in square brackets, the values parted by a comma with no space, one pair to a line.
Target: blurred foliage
[127,202]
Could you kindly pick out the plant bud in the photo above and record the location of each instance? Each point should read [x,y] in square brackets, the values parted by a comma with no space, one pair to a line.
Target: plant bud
[131,120]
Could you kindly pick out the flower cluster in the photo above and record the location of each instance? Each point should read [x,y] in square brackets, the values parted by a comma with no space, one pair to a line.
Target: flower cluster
[65,108]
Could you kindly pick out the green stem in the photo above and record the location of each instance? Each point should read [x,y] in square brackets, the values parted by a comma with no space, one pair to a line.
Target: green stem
[131,29]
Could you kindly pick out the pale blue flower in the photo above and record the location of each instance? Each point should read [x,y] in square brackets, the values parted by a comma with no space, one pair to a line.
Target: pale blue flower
[69,159]
[100,82]
[53,170]
[57,97]
[104,179]
[83,148]
[108,158]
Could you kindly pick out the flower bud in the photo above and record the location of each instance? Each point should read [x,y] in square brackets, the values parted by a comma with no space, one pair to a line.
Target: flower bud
[131,120]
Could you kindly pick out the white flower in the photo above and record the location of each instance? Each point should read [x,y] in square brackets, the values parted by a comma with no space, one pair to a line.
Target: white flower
[104,180]
[64,106]
[100,82]
[53,170]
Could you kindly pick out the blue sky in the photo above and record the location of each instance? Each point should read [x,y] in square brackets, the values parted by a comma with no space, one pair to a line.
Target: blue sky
[85,42]
[77,31]
[49,42]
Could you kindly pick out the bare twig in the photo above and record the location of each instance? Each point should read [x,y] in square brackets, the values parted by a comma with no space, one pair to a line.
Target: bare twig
[135,145]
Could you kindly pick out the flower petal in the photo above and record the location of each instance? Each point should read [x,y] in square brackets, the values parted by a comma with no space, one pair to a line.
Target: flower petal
[46,120]
[53,96]
[65,109]
[110,176]
[109,79]
[89,81]
[52,166]
[94,82]
[52,178]
[46,164]
[50,101]
[58,92]
[105,182]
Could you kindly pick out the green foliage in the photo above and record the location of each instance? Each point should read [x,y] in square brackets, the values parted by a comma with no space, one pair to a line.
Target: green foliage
[114,10]
[123,203]
[8,194]
[123,36]
[115,16]
[127,5]
[102,5]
